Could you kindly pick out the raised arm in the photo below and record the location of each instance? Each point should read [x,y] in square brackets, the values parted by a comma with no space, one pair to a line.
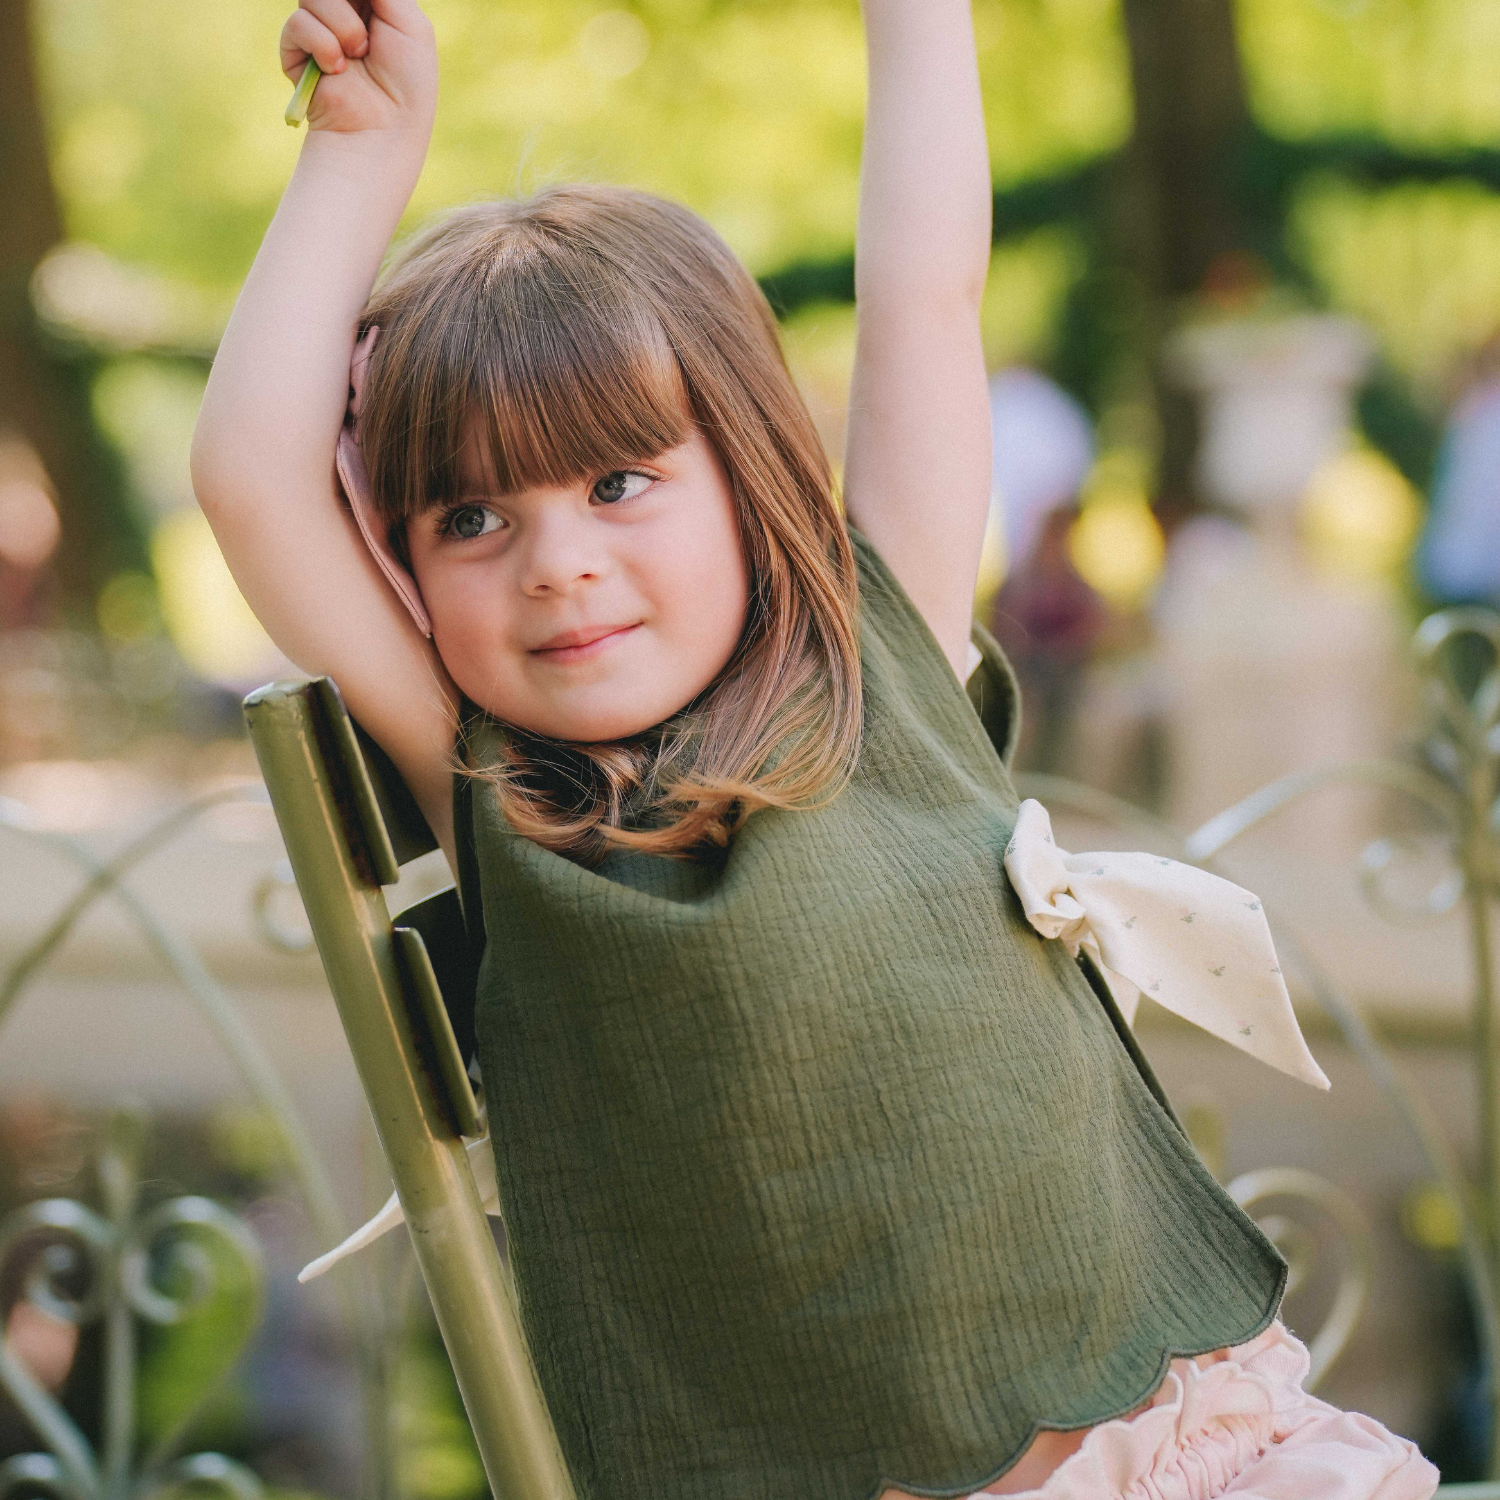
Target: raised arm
[263,452]
[917,467]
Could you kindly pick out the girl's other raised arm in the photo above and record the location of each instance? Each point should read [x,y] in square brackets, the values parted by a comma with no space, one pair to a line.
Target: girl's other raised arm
[263,452]
[917,466]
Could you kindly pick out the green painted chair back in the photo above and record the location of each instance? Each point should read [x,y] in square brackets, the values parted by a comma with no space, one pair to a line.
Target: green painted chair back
[348,823]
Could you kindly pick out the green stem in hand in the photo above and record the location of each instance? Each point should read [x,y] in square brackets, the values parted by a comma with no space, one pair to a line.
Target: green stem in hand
[296,109]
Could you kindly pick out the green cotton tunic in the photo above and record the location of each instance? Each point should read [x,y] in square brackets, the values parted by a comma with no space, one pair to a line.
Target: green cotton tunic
[822,1171]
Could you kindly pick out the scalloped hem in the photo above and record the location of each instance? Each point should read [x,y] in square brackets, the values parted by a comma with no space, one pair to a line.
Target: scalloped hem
[1243,1426]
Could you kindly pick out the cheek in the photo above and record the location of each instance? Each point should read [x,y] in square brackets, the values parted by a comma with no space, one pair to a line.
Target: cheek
[705,573]
[468,618]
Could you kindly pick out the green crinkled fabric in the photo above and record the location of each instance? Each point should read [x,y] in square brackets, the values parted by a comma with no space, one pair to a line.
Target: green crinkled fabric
[822,1171]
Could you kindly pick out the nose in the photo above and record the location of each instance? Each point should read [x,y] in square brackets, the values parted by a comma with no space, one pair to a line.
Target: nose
[560,553]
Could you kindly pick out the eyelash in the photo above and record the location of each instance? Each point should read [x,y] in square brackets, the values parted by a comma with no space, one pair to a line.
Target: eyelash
[448,512]
[444,525]
[648,474]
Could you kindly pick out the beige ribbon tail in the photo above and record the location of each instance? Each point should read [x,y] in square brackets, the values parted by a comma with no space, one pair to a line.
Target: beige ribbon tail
[1197,944]
[482,1168]
[367,1233]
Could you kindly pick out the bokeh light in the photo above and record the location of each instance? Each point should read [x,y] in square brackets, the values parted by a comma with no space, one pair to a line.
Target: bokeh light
[127,607]
[1116,544]
[1359,515]
[205,614]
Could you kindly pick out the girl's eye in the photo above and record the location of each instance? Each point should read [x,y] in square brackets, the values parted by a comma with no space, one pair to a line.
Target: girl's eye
[621,485]
[469,521]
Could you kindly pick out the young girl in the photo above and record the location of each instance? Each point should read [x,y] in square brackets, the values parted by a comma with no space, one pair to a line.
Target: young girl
[830,1166]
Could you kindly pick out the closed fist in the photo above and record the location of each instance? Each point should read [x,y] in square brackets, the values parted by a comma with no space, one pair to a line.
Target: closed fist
[378,59]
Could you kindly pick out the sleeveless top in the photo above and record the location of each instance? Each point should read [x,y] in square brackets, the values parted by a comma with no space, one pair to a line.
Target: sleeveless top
[821,1170]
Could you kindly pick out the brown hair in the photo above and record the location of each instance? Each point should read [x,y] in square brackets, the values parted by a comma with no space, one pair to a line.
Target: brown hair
[589,328]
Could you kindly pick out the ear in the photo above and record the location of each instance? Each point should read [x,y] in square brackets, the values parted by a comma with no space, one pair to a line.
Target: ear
[356,483]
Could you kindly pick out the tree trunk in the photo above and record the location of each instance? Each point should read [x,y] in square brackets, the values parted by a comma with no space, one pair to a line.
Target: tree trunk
[1169,210]
[44,390]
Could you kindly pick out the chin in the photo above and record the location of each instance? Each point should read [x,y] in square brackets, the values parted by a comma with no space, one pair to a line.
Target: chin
[590,729]
[585,725]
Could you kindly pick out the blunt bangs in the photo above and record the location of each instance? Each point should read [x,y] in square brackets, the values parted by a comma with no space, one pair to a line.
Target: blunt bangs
[546,353]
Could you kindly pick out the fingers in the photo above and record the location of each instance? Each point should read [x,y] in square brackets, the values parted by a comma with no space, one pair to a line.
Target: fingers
[326,30]
[305,36]
[343,20]
[405,15]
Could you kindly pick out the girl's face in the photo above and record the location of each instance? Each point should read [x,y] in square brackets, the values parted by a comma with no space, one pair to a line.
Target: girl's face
[593,610]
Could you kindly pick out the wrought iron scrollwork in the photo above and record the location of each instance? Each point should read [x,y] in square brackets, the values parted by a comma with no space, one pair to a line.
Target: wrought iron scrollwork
[107,879]
[1385,857]
[121,1267]
[1294,1197]
[274,892]
[1456,783]
[31,1473]
[203,1472]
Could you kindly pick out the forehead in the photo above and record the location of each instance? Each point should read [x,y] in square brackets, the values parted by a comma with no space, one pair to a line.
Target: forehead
[480,437]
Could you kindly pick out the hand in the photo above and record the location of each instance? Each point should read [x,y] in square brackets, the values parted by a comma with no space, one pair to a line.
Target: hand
[378,59]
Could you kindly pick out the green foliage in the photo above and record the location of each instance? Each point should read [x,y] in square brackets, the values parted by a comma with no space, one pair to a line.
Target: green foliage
[147,408]
[169,149]
[1420,73]
[169,153]
[1420,262]
[1029,279]
[437,1454]
[180,1360]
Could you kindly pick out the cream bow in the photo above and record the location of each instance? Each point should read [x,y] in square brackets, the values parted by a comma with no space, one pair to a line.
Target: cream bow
[481,1164]
[1198,945]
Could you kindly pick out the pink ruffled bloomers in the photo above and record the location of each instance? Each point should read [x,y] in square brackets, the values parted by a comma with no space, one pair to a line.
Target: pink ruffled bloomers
[1241,1426]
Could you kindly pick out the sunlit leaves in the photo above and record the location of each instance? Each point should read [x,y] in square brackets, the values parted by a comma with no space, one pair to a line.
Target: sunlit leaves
[169,149]
[1419,72]
[1028,280]
[1420,262]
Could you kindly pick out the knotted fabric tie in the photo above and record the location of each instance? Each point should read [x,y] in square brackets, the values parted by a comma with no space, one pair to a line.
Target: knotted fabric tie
[1197,944]
[356,482]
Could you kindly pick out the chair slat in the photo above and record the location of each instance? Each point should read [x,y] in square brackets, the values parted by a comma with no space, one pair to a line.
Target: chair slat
[447,1061]
[409,834]
[341,855]
[451,951]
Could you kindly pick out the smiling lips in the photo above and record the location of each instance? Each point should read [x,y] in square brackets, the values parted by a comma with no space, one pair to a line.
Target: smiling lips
[580,644]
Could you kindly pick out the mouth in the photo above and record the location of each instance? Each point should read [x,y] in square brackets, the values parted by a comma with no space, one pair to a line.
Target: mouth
[585,642]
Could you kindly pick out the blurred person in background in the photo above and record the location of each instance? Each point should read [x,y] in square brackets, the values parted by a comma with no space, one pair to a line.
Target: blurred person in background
[1045,615]
[1459,557]
[1049,621]
[29,534]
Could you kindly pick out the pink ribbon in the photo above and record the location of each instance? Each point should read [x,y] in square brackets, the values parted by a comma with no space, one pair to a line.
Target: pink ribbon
[355,480]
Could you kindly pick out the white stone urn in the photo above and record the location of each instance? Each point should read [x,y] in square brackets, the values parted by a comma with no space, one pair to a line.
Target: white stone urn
[1275,400]
[1269,665]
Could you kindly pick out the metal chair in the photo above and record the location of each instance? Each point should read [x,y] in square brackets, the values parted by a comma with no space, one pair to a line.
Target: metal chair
[405,994]
[349,823]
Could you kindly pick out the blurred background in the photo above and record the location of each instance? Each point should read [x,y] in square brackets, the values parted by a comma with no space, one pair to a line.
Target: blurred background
[1243,323]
